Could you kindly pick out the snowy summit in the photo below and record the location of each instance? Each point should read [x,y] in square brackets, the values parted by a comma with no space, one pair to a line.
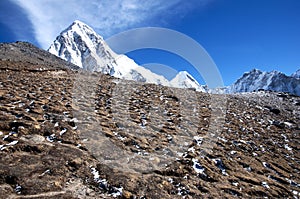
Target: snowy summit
[82,46]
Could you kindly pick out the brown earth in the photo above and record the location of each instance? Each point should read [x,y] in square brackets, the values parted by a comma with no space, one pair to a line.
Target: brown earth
[72,134]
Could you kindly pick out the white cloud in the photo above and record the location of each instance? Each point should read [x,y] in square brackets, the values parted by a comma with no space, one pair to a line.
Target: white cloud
[107,17]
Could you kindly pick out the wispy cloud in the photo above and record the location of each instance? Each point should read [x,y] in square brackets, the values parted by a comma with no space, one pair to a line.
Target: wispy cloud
[50,17]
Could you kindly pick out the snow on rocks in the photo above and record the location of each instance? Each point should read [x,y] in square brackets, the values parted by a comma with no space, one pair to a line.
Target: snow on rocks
[63,131]
[197,167]
[218,162]
[12,143]
[4,146]
[287,147]
[265,164]
[198,140]
[104,185]
[265,184]
[18,189]
[51,138]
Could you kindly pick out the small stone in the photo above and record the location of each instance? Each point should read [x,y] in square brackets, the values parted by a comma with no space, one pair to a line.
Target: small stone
[126,194]
[57,184]
[155,160]
[165,183]
[37,126]
[37,138]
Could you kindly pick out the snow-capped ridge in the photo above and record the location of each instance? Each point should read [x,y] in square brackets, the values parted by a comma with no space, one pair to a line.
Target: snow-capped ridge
[274,80]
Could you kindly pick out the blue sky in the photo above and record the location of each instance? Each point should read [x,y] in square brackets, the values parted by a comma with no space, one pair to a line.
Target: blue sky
[239,35]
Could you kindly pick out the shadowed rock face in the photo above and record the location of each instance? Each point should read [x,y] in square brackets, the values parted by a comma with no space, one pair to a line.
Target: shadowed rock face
[68,134]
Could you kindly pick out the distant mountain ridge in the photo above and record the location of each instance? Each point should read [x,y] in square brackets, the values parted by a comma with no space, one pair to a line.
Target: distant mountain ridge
[274,80]
[82,46]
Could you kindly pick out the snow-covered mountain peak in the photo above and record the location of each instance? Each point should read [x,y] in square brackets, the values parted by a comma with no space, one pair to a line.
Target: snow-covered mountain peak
[80,25]
[77,22]
[185,80]
[184,75]
[296,74]
[82,46]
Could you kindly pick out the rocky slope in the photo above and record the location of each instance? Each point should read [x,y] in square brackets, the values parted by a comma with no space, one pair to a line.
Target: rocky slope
[71,134]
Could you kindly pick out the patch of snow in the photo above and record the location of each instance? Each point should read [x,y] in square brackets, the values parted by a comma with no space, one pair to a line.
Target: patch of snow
[292,182]
[265,184]
[2,147]
[12,143]
[18,189]
[198,140]
[296,193]
[243,141]
[222,139]
[103,184]
[218,162]
[266,164]
[63,131]
[51,138]
[117,192]
[197,167]
[119,136]
[74,120]
[45,172]
[248,169]
[287,147]
[95,174]
[285,138]
[191,149]
[170,180]
[288,124]
[235,184]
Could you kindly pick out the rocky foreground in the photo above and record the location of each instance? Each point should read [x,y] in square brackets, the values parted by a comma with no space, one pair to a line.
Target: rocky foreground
[66,133]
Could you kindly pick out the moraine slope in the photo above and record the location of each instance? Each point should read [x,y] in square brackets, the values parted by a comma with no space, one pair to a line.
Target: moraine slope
[52,145]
